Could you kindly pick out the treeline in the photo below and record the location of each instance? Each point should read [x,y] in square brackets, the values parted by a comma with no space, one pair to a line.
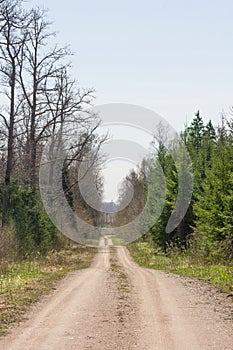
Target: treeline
[38,97]
[207,225]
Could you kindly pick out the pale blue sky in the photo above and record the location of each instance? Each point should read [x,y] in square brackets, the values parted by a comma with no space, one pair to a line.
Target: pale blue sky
[172,56]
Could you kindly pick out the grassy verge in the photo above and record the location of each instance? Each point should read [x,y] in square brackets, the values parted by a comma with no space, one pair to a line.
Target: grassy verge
[23,283]
[117,240]
[220,276]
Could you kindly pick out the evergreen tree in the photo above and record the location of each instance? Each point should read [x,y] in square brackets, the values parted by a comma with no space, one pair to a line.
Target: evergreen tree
[213,207]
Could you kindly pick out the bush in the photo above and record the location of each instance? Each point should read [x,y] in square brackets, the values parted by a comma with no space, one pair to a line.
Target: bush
[34,231]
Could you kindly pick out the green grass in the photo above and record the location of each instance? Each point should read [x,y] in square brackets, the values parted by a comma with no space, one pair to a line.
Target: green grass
[23,283]
[220,276]
[117,240]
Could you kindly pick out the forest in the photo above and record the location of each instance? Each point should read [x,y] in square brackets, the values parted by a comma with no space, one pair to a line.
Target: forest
[38,97]
[205,230]
[40,100]
[152,269]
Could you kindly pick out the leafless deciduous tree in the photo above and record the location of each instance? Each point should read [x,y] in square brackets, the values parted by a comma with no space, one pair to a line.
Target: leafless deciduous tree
[12,41]
[40,97]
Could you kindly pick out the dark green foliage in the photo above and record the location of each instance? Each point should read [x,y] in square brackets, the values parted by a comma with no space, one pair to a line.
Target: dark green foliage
[213,206]
[195,134]
[209,218]
[177,172]
[34,232]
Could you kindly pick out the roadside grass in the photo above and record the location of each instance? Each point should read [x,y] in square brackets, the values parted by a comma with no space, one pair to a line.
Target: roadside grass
[23,283]
[220,276]
[117,240]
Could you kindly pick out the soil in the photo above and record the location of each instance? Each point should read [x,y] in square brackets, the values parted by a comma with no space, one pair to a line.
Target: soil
[115,304]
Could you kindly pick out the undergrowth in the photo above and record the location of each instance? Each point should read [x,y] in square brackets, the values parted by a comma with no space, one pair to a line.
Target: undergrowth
[23,283]
[184,264]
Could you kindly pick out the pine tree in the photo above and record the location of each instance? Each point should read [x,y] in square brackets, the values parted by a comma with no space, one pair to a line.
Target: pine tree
[213,207]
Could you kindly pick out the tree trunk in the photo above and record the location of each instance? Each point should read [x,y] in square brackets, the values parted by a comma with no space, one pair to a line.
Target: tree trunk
[10,146]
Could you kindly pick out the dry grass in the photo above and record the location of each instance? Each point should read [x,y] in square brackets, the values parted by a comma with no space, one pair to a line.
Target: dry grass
[23,283]
[123,286]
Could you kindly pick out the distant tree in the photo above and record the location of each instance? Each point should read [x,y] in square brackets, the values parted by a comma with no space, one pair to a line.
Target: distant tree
[195,132]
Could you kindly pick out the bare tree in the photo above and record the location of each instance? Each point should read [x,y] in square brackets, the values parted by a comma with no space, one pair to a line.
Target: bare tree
[12,40]
[39,67]
[42,99]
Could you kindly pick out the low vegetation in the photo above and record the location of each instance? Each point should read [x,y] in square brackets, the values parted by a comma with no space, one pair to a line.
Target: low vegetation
[183,191]
[185,264]
[22,283]
[37,103]
[117,240]
[123,286]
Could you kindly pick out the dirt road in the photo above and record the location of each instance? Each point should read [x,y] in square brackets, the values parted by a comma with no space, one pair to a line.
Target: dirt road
[116,304]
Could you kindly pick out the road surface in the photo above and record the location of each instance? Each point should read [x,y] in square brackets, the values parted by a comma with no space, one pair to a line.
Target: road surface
[115,304]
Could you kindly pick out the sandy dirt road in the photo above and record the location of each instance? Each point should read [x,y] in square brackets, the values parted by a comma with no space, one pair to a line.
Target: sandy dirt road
[115,304]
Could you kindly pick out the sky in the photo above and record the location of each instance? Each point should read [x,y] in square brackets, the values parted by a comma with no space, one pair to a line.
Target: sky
[173,57]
